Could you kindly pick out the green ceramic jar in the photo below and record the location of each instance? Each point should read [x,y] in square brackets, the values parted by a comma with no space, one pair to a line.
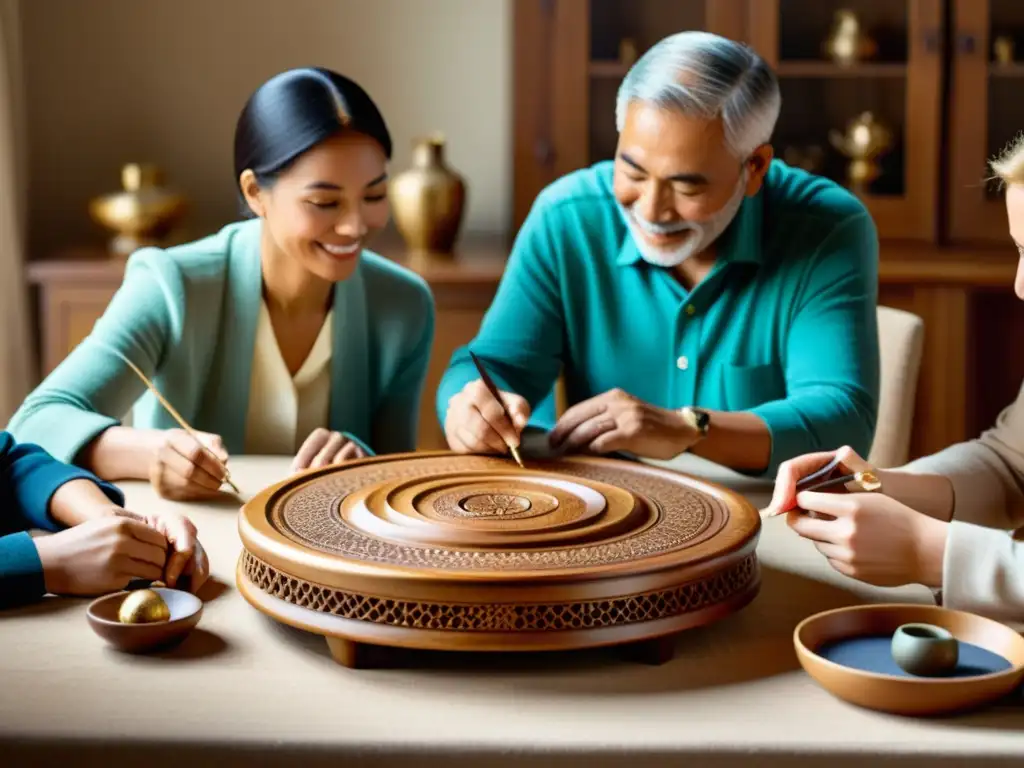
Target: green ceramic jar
[925,650]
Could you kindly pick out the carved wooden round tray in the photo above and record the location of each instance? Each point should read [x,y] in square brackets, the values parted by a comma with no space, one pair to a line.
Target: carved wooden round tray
[436,550]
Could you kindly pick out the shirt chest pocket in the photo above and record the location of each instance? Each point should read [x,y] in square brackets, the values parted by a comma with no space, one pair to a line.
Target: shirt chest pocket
[747,386]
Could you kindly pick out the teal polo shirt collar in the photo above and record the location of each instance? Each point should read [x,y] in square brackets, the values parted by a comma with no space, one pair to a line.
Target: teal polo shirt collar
[739,244]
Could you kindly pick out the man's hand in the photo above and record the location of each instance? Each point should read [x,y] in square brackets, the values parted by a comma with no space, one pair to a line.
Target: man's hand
[475,422]
[617,421]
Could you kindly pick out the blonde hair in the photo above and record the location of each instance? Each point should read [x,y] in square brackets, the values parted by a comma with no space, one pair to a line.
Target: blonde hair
[1009,165]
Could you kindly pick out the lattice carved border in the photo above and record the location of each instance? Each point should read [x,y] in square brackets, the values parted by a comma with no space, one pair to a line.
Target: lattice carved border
[462,617]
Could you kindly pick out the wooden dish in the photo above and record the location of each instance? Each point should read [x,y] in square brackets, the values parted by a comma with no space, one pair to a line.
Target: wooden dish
[901,693]
[185,608]
[435,550]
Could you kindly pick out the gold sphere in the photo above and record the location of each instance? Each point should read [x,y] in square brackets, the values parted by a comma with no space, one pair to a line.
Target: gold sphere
[143,606]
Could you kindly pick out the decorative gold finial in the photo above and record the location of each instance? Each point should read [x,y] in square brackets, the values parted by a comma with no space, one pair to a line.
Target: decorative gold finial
[848,43]
[864,141]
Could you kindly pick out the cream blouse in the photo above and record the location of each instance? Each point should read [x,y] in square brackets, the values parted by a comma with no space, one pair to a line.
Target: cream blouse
[284,410]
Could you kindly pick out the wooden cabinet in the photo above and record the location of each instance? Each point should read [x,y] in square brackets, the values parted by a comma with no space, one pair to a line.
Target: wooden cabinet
[935,82]
[73,290]
[70,296]
[901,85]
[571,56]
[567,68]
[987,112]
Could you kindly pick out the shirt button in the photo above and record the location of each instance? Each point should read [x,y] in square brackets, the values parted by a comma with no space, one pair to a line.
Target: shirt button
[682,363]
[690,309]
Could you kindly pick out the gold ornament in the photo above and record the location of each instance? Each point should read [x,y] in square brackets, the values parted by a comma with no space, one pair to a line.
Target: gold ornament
[428,200]
[143,606]
[627,51]
[143,214]
[848,43]
[864,141]
[1002,49]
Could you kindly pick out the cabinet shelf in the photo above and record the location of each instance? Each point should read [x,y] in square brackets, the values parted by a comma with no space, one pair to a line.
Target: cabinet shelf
[1007,70]
[798,68]
[810,68]
[608,69]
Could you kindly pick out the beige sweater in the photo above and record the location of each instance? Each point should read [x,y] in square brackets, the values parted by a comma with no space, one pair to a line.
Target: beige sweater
[983,571]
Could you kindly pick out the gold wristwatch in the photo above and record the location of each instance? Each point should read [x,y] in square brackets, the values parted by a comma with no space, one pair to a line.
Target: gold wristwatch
[698,419]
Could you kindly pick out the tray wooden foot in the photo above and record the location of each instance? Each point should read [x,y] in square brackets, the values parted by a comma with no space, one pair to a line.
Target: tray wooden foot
[655,652]
[350,654]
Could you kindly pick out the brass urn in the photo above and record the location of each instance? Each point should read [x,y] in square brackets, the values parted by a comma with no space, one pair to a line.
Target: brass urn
[144,213]
[1003,49]
[865,140]
[848,43]
[428,200]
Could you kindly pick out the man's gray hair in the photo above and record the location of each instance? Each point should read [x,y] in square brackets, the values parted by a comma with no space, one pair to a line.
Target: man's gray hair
[704,75]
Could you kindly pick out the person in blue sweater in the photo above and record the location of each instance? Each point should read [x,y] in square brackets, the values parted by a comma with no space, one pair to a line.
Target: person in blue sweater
[94,545]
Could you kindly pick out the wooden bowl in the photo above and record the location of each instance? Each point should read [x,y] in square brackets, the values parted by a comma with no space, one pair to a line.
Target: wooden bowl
[439,551]
[185,608]
[817,639]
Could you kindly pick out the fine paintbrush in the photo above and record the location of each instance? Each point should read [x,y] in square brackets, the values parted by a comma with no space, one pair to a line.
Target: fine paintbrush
[829,479]
[176,416]
[497,396]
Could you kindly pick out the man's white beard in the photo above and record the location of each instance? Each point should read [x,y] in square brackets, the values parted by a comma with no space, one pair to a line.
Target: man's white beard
[702,234]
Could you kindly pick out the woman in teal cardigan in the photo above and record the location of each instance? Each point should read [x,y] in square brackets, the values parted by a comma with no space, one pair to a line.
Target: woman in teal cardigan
[277,335]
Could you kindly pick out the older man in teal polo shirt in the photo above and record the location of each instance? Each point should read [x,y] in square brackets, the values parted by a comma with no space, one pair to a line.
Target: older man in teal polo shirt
[697,294]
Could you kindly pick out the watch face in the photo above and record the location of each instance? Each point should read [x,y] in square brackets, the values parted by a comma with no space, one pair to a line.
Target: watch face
[699,417]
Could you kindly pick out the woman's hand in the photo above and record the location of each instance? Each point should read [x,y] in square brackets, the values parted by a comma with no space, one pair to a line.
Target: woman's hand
[323,448]
[873,538]
[183,471]
[791,472]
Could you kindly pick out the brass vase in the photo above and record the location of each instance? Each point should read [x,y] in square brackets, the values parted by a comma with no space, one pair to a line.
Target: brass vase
[848,43]
[1002,48]
[427,200]
[144,213]
[865,140]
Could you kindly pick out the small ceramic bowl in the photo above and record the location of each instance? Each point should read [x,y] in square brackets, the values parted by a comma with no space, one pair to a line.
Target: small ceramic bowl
[925,650]
[897,691]
[185,608]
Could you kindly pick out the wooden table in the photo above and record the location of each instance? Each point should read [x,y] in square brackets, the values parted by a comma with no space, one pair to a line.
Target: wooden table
[243,690]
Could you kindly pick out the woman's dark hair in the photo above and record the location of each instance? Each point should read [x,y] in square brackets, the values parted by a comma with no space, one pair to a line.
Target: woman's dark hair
[294,111]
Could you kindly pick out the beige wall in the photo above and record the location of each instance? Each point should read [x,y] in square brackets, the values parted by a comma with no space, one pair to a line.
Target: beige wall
[111,81]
